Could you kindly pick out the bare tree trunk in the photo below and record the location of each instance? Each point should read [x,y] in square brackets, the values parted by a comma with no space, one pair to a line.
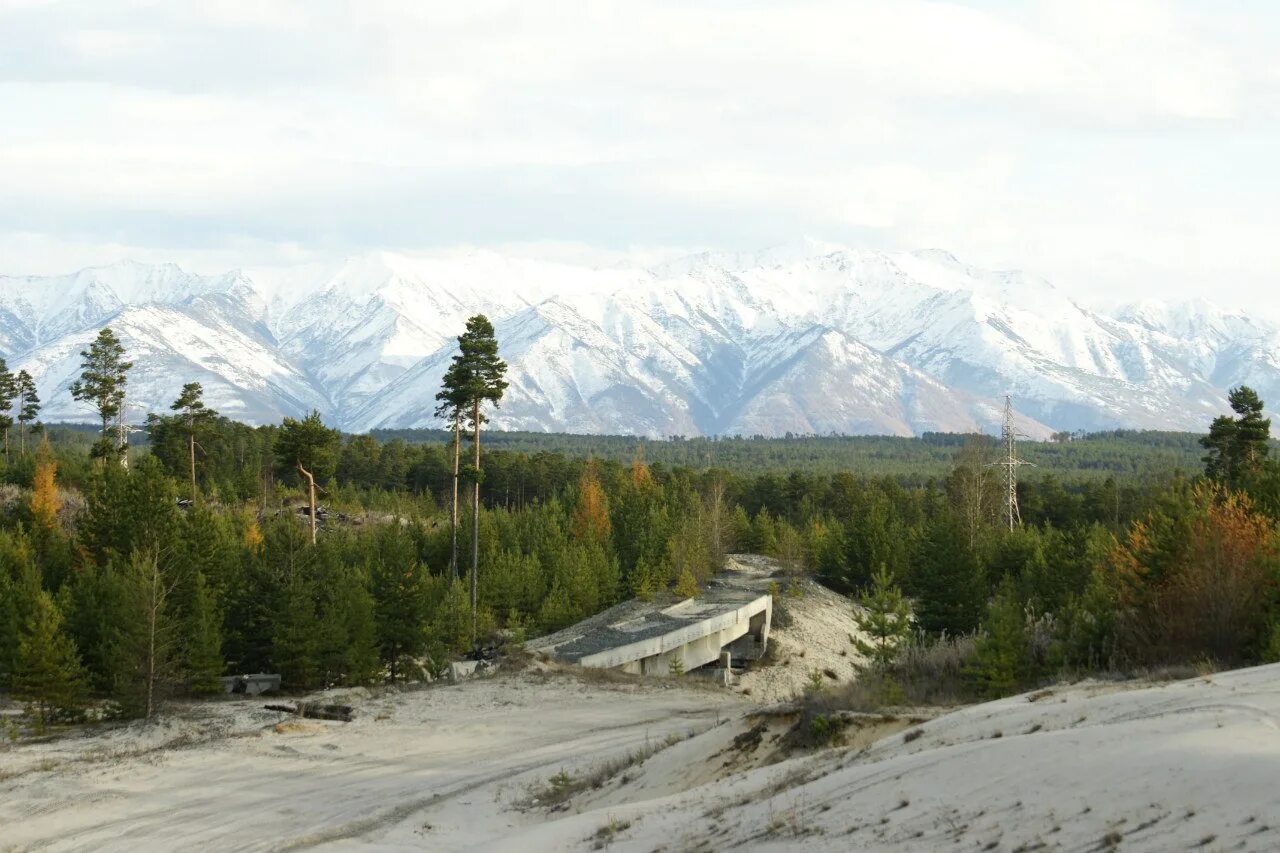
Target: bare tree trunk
[475,522]
[715,522]
[152,618]
[193,467]
[457,459]
[311,491]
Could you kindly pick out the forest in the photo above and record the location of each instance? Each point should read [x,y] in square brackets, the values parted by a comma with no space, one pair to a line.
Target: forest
[130,576]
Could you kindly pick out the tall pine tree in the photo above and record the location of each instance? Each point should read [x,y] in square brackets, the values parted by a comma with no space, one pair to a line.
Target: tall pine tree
[28,406]
[1237,447]
[475,377]
[103,377]
[8,390]
[195,417]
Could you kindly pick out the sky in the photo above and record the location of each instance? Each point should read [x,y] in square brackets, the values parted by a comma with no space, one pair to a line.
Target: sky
[1120,148]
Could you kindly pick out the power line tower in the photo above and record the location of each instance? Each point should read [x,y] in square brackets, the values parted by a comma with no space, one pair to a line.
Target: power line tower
[1010,464]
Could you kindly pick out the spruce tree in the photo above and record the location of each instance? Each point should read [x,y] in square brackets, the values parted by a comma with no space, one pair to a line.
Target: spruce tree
[195,417]
[310,448]
[103,377]
[48,676]
[28,406]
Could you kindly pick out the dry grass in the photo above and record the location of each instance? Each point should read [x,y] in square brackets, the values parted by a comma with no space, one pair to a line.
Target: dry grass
[564,786]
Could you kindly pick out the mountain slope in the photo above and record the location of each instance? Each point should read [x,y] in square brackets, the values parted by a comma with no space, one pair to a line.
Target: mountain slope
[811,338]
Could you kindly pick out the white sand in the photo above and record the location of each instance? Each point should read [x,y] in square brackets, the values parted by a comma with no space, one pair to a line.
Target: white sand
[1175,766]
[430,769]
[1157,768]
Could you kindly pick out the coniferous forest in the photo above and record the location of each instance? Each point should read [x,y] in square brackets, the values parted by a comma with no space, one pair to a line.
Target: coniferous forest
[133,575]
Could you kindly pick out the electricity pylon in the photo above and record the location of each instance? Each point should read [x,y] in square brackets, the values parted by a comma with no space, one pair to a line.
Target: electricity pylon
[1010,464]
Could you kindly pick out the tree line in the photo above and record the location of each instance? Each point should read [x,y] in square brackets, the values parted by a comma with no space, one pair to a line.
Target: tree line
[337,559]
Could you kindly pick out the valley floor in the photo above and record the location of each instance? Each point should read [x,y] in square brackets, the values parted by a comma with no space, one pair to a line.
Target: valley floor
[648,766]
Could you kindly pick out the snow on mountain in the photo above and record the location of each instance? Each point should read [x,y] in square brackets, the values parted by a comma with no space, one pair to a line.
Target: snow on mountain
[803,338]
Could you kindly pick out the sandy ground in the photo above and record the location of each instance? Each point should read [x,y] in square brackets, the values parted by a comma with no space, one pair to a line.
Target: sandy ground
[813,630]
[430,769]
[1094,766]
[555,758]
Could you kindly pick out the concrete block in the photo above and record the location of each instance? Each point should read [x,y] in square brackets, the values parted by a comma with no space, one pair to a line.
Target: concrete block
[462,670]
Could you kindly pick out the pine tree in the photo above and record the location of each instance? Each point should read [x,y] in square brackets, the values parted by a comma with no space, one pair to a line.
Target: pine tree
[48,676]
[195,417]
[558,609]
[129,512]
[687,585]
[452,620]
[1253,431]
[361,662]
[144,645]
[203,653]
[19,587]
[295,631]
[400,589]
[947,582]
[884,621]
[452,407]
[1002,656]
[103,377]
[28,406]
[8,390]
[310,448]
[1238,447]
[475,377]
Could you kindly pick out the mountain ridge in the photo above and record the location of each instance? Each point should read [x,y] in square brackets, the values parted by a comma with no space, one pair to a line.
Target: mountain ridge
[806,338]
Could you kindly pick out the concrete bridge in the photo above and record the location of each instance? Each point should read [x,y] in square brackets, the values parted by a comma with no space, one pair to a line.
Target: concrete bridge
[666,634]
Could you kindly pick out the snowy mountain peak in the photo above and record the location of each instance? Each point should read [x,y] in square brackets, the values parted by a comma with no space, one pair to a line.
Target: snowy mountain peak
[804,337]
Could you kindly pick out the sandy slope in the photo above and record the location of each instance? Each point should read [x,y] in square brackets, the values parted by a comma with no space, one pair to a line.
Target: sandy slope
[813,631]
[1187,765]
[426,769]
[1174,766]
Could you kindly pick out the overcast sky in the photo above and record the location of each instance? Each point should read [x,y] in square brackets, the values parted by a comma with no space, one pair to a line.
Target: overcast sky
[1118,147]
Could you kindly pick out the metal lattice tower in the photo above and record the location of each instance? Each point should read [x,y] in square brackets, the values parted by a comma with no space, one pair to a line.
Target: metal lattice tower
[1010,464]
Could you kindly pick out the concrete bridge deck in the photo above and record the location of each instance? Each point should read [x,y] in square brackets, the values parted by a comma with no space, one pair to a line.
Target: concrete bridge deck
[646,637]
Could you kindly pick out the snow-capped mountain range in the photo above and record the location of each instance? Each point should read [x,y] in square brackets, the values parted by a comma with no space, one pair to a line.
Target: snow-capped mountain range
[805,339]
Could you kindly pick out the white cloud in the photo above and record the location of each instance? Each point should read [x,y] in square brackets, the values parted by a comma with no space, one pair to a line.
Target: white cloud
[1101,144]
